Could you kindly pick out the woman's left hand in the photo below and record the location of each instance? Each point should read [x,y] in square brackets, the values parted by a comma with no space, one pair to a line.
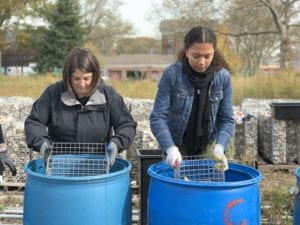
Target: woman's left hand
[219,155]
[112,150]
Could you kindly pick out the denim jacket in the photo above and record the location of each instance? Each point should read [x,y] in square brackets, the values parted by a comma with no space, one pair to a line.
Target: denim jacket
[173,105]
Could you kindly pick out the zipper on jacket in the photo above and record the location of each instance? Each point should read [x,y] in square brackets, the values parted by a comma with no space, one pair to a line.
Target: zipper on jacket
[82,108]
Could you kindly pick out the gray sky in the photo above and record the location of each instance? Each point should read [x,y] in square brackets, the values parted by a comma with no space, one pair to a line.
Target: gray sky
[137,13]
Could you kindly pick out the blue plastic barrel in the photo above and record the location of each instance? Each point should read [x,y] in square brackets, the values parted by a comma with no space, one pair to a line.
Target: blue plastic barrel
[179,202]
[89,200]
[296,214]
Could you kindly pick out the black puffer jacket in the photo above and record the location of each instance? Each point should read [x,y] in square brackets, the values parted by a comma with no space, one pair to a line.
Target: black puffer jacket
[59,117]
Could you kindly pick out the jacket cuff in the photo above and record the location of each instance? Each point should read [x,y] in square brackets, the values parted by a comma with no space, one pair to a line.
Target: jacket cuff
[165,140]
[117,142]
[223,139]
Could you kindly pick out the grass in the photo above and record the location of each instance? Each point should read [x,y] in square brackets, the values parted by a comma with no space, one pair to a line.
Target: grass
[280,203]
[144,89]
[266,85]
[26,86]
[10,201]
[263,85]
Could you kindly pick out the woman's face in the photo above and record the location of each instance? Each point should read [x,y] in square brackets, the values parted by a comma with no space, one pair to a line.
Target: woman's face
[81,82]
[200,56]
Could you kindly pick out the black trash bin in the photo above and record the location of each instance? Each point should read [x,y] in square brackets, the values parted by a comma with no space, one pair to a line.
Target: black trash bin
[146,158]
[285,110]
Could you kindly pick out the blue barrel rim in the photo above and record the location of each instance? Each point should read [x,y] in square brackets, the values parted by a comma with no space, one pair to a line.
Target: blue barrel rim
[256,176]
[127,167]
[297,172]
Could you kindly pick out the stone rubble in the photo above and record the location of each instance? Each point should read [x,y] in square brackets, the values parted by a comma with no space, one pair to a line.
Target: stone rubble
[277,139]
[256,132]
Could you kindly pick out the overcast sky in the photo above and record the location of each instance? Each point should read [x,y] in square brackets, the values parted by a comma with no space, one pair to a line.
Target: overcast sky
[137,12]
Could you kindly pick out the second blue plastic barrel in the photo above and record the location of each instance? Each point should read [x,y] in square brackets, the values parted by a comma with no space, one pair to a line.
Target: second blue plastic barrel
[89,200]
[178,202]
[296,213]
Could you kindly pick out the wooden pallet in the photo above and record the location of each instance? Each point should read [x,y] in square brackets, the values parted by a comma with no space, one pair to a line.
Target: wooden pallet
[17,213]
[278,168]
[9,187]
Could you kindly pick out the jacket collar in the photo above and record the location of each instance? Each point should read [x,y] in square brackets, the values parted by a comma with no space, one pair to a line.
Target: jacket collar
[97,98]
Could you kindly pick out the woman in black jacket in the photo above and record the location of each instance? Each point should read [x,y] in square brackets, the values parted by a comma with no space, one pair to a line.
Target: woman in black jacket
[80,109]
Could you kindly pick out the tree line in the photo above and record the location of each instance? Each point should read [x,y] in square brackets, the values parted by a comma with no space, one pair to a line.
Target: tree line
[252,29]
[51,28]
[248,31]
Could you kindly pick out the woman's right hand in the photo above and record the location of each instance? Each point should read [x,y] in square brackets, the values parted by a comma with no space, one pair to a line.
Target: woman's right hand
[174,157]
[45,151]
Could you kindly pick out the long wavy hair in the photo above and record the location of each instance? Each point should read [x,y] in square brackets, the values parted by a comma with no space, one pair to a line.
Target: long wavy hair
[84,60]
[201,34]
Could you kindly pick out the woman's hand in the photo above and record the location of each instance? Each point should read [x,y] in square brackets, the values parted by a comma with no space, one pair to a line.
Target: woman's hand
[218,153]
[174,157]
[45,151]
[112,150]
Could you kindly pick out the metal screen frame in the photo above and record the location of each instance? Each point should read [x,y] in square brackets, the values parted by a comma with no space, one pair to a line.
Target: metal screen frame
[199,168]
[77,159]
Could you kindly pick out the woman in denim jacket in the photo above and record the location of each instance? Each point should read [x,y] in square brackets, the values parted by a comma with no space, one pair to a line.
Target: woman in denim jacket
[193,105]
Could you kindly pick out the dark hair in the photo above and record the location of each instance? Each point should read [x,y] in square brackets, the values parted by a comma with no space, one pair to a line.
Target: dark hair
[201,34]
[84,60]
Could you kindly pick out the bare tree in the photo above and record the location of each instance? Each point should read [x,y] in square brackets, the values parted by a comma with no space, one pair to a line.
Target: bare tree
[12,13]
[103,24]
[189,9]
[96,11]
[280,18]
[285,14]
[138,45]
[178,16]
[257,27]
[246,28]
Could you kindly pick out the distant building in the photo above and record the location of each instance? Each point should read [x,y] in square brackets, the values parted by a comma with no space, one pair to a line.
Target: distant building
[137,66]
[270,64]
[171,37]
[17,62]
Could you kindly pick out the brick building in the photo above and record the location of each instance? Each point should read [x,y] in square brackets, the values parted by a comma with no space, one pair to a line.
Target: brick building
[17,62]
[148,66]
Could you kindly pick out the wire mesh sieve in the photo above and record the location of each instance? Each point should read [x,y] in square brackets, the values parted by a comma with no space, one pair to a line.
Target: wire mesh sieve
[199,168]
[77,159]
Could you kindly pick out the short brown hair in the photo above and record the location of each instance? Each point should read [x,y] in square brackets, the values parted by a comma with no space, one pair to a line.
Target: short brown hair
[84,60]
